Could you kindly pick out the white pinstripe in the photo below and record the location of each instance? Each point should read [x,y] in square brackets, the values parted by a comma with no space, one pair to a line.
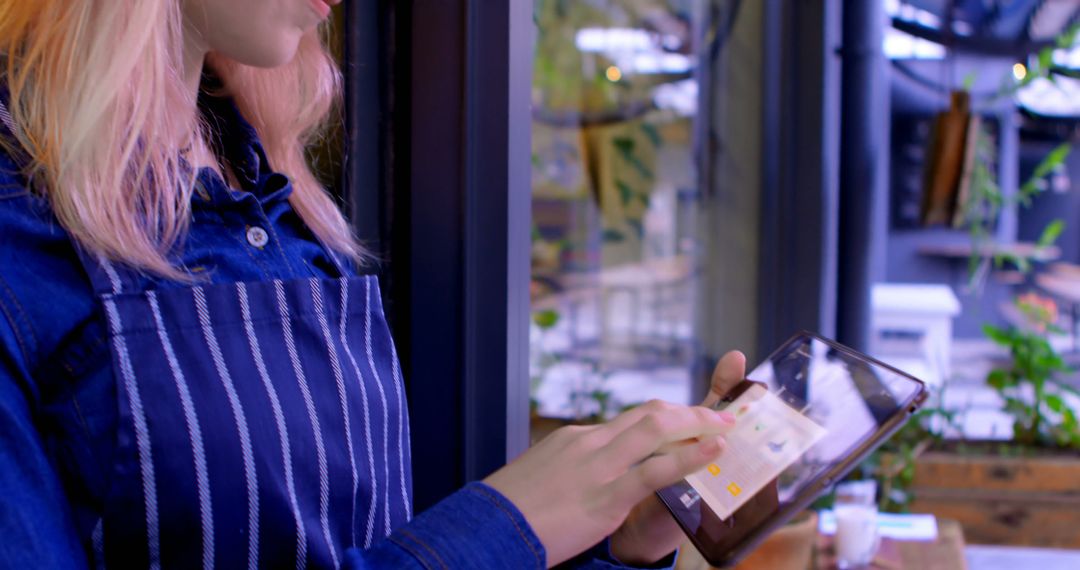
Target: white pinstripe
[241,426]
[279,417]
[402,416]
[339,379]
[142,436]
[369,533]
[5,115]
[382,398]
[320,450]
[97,537]
[191,418]
[110,271]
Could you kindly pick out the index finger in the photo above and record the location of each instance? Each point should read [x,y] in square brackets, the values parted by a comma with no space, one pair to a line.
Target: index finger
[657,429]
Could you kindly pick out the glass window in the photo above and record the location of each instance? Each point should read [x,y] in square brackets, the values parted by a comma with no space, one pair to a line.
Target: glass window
[625,208]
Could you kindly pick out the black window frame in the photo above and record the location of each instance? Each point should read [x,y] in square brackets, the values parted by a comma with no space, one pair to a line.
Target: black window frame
[438,183]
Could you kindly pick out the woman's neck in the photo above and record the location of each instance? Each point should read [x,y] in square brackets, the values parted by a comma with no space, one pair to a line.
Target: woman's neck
[199,153]
[195,50]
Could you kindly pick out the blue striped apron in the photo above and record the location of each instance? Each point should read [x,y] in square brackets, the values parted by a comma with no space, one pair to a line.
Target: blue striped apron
[261,424]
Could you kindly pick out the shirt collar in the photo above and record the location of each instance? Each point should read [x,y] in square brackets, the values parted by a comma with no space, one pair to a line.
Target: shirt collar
[232,138]
[235,141]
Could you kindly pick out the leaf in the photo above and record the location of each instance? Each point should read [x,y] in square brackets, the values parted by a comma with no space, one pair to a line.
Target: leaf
[997,335]
[969,81]
[613,236]
[1051,161]
[1023,264]
[652,132]
[1051,232]
[1055,403]
[999,379]
[546,319]
[638,227]
[1046,59]
[624,145]
[1067,39]
[626,193]
[1068,419]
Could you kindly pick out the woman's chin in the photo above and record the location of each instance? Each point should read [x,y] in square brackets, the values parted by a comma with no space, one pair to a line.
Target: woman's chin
[268,56]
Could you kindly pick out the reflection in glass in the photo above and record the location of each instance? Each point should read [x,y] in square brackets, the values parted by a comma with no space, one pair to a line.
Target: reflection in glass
[615,256]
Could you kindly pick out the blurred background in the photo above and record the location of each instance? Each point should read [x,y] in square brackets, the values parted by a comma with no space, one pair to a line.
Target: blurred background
[580,205]
[718,174]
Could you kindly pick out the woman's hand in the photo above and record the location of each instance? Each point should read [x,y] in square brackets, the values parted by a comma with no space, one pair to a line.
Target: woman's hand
[579,484]
[650,533]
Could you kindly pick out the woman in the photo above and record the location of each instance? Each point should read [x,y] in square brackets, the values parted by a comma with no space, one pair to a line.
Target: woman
[190,371]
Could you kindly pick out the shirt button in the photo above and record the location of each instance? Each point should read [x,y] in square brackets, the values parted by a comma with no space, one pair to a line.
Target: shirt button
[257,236]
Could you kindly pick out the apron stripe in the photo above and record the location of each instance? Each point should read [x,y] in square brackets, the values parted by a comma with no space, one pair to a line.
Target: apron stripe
[110,271]
[320,450]
[194,434]
[241,426]
[339,379]
[142,436]
[400,432]
[382,398]
[369,532]
[97,537]
[5,116]
[279,417]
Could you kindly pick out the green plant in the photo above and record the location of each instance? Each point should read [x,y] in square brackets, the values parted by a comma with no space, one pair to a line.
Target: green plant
[545,320]
[893,464]
[986,199]
[1030,385]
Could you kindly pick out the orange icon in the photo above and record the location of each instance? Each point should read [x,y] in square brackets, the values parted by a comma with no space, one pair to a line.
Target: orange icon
[734,490]
[714,469]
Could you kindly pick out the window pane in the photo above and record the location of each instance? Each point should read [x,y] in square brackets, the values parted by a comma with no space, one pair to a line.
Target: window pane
[624,214]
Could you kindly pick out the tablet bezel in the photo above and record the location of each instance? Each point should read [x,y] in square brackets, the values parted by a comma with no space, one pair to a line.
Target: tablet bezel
[823,482]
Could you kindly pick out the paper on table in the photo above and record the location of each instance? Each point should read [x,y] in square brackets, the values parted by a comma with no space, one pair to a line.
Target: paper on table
[899,527]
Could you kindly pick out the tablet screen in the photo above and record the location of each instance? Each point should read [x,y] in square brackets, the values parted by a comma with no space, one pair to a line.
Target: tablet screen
[810,406]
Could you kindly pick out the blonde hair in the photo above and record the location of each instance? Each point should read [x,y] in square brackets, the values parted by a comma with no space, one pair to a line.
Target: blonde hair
[94,87]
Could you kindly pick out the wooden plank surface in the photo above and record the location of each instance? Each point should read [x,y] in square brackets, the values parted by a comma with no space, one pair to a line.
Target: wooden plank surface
[1017,522]
[1018,501]
[946,553]
[1047,475]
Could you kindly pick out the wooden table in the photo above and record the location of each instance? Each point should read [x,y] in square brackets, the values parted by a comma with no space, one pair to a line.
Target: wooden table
[946,553]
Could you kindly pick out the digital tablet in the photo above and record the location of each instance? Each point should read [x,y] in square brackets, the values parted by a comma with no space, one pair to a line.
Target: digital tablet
[803,418]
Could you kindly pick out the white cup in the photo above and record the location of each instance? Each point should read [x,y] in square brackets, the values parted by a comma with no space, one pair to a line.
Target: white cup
[857,538]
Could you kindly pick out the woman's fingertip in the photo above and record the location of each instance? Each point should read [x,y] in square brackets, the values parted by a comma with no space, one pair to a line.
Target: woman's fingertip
[712,446]
[726,417]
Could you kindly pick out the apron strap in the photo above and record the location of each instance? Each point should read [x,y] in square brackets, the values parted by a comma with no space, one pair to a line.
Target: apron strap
[108,278]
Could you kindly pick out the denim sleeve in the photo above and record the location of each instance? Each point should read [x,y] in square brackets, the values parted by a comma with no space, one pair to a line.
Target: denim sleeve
[600,557]
[475,528]
[35,522]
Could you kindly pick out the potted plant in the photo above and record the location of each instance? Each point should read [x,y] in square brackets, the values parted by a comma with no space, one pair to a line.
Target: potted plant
[1023,491]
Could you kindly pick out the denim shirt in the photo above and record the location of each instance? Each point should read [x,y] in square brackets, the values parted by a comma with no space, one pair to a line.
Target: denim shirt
[58,406]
